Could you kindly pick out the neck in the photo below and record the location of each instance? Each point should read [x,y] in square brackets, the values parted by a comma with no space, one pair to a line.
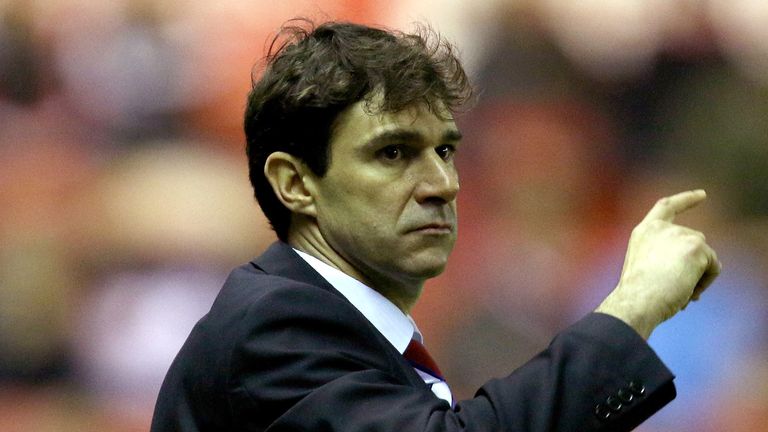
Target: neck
[402,292]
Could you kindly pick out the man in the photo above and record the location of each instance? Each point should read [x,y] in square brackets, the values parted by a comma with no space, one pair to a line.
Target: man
[351,144]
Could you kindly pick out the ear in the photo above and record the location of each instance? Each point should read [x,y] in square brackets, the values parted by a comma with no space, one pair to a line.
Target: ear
[291,181]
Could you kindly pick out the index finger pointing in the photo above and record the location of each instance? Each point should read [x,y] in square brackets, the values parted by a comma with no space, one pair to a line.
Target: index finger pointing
[667,208]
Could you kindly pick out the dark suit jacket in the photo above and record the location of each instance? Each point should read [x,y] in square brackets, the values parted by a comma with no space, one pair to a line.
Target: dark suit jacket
[282,350]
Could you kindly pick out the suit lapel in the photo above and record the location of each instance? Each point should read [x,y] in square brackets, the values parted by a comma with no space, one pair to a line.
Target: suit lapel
[280,259]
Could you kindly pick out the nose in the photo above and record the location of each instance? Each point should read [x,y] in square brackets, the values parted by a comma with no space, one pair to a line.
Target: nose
[438,181]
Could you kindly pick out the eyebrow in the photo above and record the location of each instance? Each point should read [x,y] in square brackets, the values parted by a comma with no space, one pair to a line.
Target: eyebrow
[395,135]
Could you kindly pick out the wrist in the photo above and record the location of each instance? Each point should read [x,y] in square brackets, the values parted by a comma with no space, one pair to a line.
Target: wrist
[627,311]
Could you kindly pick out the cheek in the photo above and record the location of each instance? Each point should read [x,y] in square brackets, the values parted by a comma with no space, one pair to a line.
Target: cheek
[374,200]
[362,204]
[350,210]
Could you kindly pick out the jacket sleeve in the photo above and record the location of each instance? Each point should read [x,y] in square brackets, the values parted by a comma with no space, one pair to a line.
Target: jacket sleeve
[306,360]
[597,375]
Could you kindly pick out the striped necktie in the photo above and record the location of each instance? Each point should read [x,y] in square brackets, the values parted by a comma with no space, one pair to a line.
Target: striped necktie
[420,359]
[425,366]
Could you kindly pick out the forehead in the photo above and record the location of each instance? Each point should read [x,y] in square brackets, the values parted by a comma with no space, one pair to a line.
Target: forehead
[362,122]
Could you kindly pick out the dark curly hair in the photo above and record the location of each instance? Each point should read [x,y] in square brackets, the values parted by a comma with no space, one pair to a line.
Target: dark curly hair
[312,74]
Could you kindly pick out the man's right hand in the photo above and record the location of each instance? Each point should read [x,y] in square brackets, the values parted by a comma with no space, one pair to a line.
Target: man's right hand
[666,267]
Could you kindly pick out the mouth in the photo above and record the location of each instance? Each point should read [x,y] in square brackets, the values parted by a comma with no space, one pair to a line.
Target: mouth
[437,228]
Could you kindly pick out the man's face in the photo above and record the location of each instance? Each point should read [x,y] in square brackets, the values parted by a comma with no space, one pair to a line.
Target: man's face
[387,204]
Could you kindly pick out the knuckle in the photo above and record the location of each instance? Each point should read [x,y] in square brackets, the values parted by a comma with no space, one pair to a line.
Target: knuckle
[656,225]
[695,243]
[696,252]
[699,235]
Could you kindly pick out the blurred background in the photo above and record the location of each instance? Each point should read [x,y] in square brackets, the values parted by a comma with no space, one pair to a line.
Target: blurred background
[124,199]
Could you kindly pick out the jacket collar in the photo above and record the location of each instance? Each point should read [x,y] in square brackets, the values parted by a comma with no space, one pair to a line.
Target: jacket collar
[281,260]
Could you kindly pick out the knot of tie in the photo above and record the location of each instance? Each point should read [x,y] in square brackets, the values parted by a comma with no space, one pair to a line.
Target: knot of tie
[420,359]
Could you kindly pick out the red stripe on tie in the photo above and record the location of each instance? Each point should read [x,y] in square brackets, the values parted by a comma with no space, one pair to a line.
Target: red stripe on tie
[419,358]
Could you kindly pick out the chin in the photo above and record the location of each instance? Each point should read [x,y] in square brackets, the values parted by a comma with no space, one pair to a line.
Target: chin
[434,273]
[426,270]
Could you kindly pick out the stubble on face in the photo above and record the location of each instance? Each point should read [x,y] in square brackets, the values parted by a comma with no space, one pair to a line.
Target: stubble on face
[386,208]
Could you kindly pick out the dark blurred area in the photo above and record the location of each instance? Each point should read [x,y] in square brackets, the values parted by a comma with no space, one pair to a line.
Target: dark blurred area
[124,198]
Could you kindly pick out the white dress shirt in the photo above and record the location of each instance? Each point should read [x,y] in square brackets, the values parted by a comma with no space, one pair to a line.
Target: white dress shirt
[397,327]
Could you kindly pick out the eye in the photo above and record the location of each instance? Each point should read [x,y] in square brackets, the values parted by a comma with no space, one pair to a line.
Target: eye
[445,151]
[391,152]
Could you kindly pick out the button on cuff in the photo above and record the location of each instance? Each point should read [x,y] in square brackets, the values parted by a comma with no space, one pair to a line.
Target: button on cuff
[626,395]
[613,403]
[602,412]
[637,387]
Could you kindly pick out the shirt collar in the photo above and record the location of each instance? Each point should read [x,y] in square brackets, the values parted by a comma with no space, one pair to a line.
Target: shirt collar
[397,327]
